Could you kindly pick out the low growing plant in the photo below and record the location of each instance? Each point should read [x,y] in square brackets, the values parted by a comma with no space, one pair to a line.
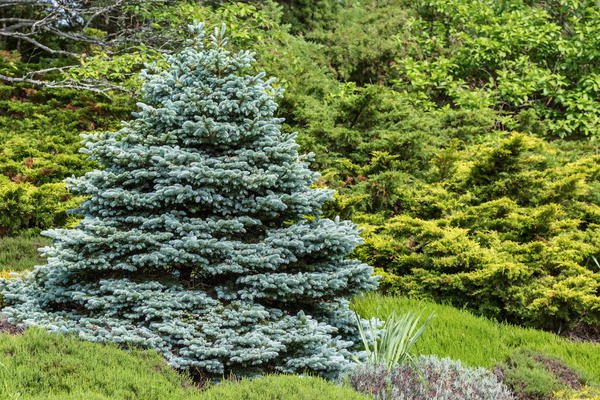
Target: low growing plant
[284,387]
[478,341]
[533,375]
[428,378]
[20,252]
[392,344]
[585,393]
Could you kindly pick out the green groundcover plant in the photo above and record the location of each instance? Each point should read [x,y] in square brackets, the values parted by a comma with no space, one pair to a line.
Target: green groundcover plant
[202,236]
[37,365]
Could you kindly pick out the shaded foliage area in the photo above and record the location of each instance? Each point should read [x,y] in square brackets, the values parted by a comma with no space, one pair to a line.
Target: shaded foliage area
[67,35]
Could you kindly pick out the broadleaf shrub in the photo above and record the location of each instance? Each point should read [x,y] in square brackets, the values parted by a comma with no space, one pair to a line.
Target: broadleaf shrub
[511,56]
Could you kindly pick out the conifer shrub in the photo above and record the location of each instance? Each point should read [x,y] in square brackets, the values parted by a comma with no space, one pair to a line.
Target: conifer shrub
[509,230]
[24,205]
[428,378]
[202,236]
[306,15]
[5,274]
[362,40]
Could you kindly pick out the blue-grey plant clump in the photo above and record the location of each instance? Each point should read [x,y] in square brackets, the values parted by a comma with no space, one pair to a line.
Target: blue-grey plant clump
[201,235]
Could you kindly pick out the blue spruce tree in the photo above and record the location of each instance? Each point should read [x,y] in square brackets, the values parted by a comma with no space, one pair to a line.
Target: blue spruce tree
[201,235]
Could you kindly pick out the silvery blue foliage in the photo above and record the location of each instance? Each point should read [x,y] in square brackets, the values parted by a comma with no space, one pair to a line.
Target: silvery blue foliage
[428,378]
[201,235]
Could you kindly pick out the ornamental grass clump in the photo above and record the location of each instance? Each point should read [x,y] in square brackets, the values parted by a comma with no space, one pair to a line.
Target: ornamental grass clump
[202,234]
[392,344]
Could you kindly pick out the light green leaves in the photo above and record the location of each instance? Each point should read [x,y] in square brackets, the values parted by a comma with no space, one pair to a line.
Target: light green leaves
[392,344]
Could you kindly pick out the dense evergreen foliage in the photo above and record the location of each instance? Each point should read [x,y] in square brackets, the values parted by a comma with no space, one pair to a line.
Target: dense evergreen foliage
[201,235]
[510,227]
[39,142]
[462,201]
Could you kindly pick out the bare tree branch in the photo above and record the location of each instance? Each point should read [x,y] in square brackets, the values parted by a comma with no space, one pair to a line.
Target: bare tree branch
[38,44]
[93,86]
[18,3]
[64,28]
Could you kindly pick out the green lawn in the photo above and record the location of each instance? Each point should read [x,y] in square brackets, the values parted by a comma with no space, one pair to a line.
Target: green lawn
[18,253]
[478,341]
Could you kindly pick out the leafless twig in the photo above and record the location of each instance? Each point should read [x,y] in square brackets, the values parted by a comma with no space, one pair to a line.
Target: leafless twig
[64,28]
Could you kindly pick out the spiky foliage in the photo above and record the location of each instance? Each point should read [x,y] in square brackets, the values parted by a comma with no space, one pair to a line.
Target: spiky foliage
[202,237]
[392,344]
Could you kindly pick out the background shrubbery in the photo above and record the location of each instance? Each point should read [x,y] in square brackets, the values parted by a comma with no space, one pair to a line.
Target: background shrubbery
[508,55]
[39,143]
[462,200]
[437,123]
